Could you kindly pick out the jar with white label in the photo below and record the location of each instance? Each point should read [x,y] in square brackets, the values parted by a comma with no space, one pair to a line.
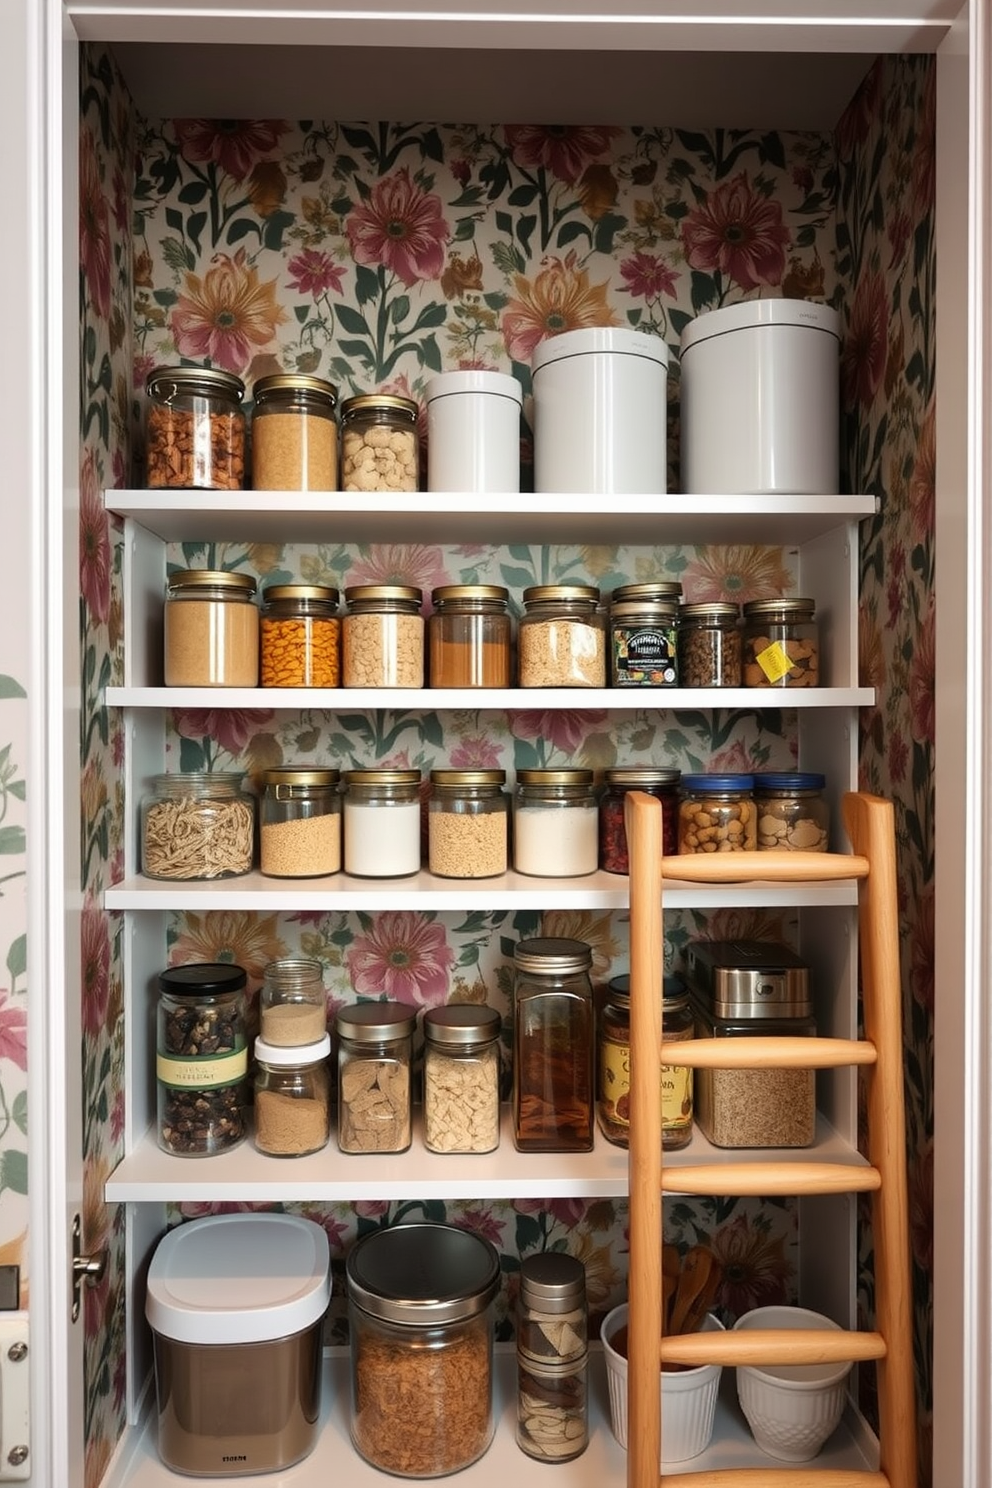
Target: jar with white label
[467,824]
[300,831]
[201,1059]
[561,638]
[781,643]
[382,636]
[375,1076]
[211,629]
[644,620]
[473,431]
[461,1078]
[382,823]
[555,823]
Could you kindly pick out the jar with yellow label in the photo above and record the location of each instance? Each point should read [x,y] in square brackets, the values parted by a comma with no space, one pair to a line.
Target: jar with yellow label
[613,1084]
[379,443]
[300,636]
[781,645]
[201,1058]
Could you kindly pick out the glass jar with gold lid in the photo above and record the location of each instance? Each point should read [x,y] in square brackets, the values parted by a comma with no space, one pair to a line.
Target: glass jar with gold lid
[294,434]
[561,639]
[300,636]
[211,629]
[379,443]
[469,636]
[195,429]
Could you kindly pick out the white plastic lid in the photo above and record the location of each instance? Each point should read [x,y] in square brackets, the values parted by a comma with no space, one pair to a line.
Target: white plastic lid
[749,313]
[239,1278]
[475,380]
[615,339]
[288,1054]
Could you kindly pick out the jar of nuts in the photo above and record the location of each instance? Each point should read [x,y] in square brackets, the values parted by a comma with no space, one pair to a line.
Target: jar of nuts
[379,443]
[716,814]
[561,639]
[644,622]
[375,1058]
[195,430]
[382,636]
[781,644]
[792,814]
[461,1078]
[709,645]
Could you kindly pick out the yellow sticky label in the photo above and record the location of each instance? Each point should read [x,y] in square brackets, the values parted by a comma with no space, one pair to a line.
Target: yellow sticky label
[202,1074]
[774,661]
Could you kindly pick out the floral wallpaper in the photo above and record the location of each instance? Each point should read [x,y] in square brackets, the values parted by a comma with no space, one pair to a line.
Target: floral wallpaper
[375,255]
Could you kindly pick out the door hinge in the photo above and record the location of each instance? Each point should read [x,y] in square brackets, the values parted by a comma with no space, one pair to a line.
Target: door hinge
[88,1268]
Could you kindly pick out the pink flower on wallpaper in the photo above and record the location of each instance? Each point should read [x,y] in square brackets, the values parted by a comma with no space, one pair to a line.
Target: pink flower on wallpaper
[13,1031]
[404,957]
[922,948]
[480,1222]
[895,589]
[560,298]
[371,1208]
[564,150]
[736,760]
[566,730]
[922,670]
[401,227]
[461,170]
[231,729]
[314,273]
[233,144]
[400,563]
[118,1114]
[201,1209]
[734,574]
[122,202]
[144,366]
[336,1232]
[477,752]
[94,226]
[802,177]
[865,346]
[739,232]
[923,481]
[755,1270]
[863,110]
[567,1212]
[898,762]
[648,277]
[228,315]
[95,967]
[94,542]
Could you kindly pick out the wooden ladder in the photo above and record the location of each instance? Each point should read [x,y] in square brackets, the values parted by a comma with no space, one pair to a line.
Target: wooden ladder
[869,824]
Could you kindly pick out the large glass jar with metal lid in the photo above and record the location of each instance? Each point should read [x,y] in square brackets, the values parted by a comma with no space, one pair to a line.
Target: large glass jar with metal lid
[201,1061]
[197,824]
[294,434]
[421,1325]
[379,443]
[552,1357]
[792,813]
[553,1046]
[716,814]
[561,638]
[300,636]
[382,820]
[300,815]
[469,636]
[467,824]
[375,1059]
[555,823]
[461,1078]
[613,1082]
[709,644]
[382,636]
[644,622]
[211,629]
[613,853]
[195,430]
[781,643]
[292,1002]
[292,1097]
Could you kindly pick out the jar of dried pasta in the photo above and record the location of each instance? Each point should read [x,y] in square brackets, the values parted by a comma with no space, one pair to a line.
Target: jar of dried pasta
[197,824]
[294,434]
[300,636]
[461,1078]
[379,443]
[375,1060]
[195,430]
[781,643]
[469,636]
[382,636]
[211,629]
[561,638]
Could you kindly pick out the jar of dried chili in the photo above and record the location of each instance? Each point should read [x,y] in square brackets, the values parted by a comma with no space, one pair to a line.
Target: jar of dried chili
[664,784]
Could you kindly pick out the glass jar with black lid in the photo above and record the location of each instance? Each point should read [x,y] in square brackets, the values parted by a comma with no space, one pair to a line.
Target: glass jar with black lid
[201,1063]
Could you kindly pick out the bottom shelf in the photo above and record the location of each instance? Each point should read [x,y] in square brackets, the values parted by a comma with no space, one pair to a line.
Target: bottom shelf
[603,1463]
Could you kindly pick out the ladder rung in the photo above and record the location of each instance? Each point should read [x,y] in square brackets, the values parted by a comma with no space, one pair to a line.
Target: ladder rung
[763,867]
[773,1346]
[777,1477]
[784,1052]
[765,1179]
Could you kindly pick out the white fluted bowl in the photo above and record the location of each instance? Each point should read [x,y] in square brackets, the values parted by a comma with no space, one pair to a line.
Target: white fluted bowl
[688,1396]
[791,1408]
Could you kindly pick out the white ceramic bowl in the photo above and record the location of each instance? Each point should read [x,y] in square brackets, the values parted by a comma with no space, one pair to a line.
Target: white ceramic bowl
[791,1409]
[688,1396]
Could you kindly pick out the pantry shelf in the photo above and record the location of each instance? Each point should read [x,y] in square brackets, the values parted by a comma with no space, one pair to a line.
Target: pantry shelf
[476,699]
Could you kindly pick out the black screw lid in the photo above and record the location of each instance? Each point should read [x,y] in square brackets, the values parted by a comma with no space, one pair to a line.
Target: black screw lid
[202,979]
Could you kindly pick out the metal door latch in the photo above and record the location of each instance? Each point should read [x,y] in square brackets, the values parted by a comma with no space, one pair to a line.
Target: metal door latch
[88,1268]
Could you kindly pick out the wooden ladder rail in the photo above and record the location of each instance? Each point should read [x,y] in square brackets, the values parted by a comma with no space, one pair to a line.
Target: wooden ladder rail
[869,824]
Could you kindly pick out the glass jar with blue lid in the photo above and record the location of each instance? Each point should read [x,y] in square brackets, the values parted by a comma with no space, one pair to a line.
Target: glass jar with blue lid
[717,814]
[793,815]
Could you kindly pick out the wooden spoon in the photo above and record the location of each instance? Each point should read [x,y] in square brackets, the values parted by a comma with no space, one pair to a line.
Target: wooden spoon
[696,1270]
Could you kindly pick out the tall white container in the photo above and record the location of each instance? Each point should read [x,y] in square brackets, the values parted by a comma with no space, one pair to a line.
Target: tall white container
[601,412]
[473,431]
[760,408]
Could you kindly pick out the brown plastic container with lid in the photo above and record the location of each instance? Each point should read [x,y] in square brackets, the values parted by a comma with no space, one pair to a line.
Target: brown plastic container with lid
[379,443]
[709,645]
[211,629]
[644,622]
[375,1076]
[613,1084]
[300,823]
[468,823]
[294,434]
[195,430]
[561,638]
[469,636]
[781,643]
[382,636]
[300,636]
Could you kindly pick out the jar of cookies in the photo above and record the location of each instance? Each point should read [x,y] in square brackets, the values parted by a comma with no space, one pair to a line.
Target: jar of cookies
[379,443]
[781,646]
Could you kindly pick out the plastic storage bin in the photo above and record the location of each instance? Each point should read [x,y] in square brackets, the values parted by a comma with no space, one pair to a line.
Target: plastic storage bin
[473,432]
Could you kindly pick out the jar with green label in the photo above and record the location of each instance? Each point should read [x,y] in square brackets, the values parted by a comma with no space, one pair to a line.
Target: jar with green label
[201,1061]
[613,1082]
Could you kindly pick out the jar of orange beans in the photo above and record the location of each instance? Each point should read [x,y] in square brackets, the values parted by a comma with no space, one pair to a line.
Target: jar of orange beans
[300,636]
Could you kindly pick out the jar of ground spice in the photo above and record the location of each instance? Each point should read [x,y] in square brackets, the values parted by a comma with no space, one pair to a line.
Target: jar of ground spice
[467,823]
[561,638]
[195,430]
[211,629]
[461,1078]
[292,1098]
[292,1002]
[613,854]
[469,636]
[201,1060]
[382,636]
[294,434]
[375,1059]
[379,443]
[300,823]
[300,636]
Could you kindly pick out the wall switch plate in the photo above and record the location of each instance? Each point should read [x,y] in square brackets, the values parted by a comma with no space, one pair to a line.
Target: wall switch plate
[15,1414]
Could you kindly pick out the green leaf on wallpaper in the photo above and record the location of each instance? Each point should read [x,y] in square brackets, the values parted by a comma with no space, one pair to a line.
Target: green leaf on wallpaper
[191,755]
[770,150]
[525,230]
[192,193]
[351,321]
[177,256]
[676,210]
[240,229]
[507,258]
[302,313]
[12,841]
[355,723]
[516,578]
[703,290]
[434,314]
[19,1111]
[431,145]
[165,297]
[358,349]
[194,227]
[805,236]
[496,301]
[174,219]
[431,731]
[504,223]
[606,230]
[359,139]
[522,196]
[10,687]
[276,226]
[464,229]
[678,320]
[14,1171]
[634,316]
[469,955]
[569,231]
[430,353]
[528,1233]
[17,958]
[399,309]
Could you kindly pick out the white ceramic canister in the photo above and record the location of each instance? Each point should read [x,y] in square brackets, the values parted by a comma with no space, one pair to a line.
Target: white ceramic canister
[473,431]
[760,408]
[600,412]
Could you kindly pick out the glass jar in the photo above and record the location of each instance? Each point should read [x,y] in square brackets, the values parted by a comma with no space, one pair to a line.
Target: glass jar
[709,644]
[197,825]
[792,813]
[382,636]
[644,622]
[555,823]
[375,1059]
[613,1085]
[716,814]
[195,430]
[300,636]
[552,1357]
[461,1078]
[781,643]
[300,834]
[292,1002]
[421,1326]
[613,854]
[553,1046]
[469,636]
[294,434]
[211,629]
[292,1098]
[561,639]
[382,823]
[201,1062]
[467,823]
[379,443]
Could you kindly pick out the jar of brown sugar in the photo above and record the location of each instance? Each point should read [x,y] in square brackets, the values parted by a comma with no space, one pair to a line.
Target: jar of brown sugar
[292,1002]
[211,629]
[300,636]
[561,639]
[379,443]
[469,636]
[294,434]
[195,430]
[300,823]
[382,636]
[292,1097]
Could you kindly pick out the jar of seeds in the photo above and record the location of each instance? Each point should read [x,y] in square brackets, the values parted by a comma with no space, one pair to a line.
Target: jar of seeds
[201,1062]
[300,815]
[709,645]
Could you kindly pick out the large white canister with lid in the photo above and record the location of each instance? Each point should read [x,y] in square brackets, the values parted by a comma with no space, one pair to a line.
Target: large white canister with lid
[236,1304]
[760,410]
[473,431]
[601,412]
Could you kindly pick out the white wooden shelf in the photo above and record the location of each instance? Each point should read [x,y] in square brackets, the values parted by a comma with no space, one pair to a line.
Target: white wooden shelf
[510,699]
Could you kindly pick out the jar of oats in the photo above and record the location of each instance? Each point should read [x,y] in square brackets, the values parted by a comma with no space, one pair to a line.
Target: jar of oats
[467,823]
[375,1060]
[294,434]
[211,629]
[195,430]
[300,816]
[382,636]
[461,1078]
[379,443]
[781,645]
[561,639]
[717,814]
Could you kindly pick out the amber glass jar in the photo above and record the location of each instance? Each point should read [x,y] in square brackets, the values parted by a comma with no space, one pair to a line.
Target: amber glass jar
[294,434]
[211,629]
[469,636]
[300,636]
[561,639]
[553,1046]
[379,443]
[195,430]
[613,1085]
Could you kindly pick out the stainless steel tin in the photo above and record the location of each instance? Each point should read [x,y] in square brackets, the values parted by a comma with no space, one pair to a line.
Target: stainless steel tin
[749,979]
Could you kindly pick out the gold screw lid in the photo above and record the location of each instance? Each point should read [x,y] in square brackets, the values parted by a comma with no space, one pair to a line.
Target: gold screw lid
[662,592]
[554,777]
[211,578]
[379,402]
[451,778]
[541,593]
[361,593]
[797,608]
[166,383]
[321,593]
[291,775]
[452,593]
[382,777]
[294,382]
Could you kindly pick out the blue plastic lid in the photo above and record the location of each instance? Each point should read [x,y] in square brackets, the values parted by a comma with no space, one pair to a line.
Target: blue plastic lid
[692,783]
[789,780]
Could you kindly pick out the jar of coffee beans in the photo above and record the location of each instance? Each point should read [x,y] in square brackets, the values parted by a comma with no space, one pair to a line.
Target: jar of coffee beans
[709,645]
[202,1058]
